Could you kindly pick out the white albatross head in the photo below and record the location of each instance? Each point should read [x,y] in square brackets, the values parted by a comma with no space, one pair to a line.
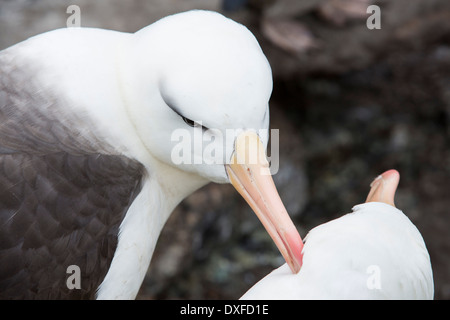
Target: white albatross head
[199,86]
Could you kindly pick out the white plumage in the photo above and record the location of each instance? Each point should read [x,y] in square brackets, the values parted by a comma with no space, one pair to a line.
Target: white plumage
[113,100]
[375,252]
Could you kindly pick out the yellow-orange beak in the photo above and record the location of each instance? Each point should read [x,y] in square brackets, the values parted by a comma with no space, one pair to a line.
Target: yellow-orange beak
[249,173]
[383,188]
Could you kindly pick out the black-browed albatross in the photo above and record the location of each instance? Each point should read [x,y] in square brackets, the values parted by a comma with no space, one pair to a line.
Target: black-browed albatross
[86,171]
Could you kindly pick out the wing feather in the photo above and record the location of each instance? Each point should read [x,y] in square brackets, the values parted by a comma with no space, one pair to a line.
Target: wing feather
[63,192]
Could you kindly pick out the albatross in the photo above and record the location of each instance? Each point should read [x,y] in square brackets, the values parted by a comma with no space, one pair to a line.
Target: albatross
[375,252]
[87,122]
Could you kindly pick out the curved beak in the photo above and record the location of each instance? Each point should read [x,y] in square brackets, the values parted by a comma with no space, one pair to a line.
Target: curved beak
[249,173]
[383,188]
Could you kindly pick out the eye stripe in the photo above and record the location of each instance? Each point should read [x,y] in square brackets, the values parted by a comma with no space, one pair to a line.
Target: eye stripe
[193,124]
[190,122]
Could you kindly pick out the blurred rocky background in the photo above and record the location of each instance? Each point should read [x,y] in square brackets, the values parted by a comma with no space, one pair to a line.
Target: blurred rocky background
[350,103]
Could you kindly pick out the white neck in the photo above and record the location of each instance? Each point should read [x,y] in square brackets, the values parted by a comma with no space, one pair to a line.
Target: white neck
[140,230]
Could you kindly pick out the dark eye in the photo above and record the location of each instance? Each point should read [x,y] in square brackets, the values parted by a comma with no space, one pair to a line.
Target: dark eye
[189,121]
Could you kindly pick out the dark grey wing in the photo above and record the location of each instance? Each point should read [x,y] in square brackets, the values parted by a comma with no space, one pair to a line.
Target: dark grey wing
[63,194]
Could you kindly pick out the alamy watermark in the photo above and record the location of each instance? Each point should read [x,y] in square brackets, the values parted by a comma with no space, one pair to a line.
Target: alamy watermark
[374,21]
[210,147]
[74,20]
[74,280]
[374,279]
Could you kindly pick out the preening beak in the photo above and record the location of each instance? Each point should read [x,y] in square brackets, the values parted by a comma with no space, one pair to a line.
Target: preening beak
[249,173]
